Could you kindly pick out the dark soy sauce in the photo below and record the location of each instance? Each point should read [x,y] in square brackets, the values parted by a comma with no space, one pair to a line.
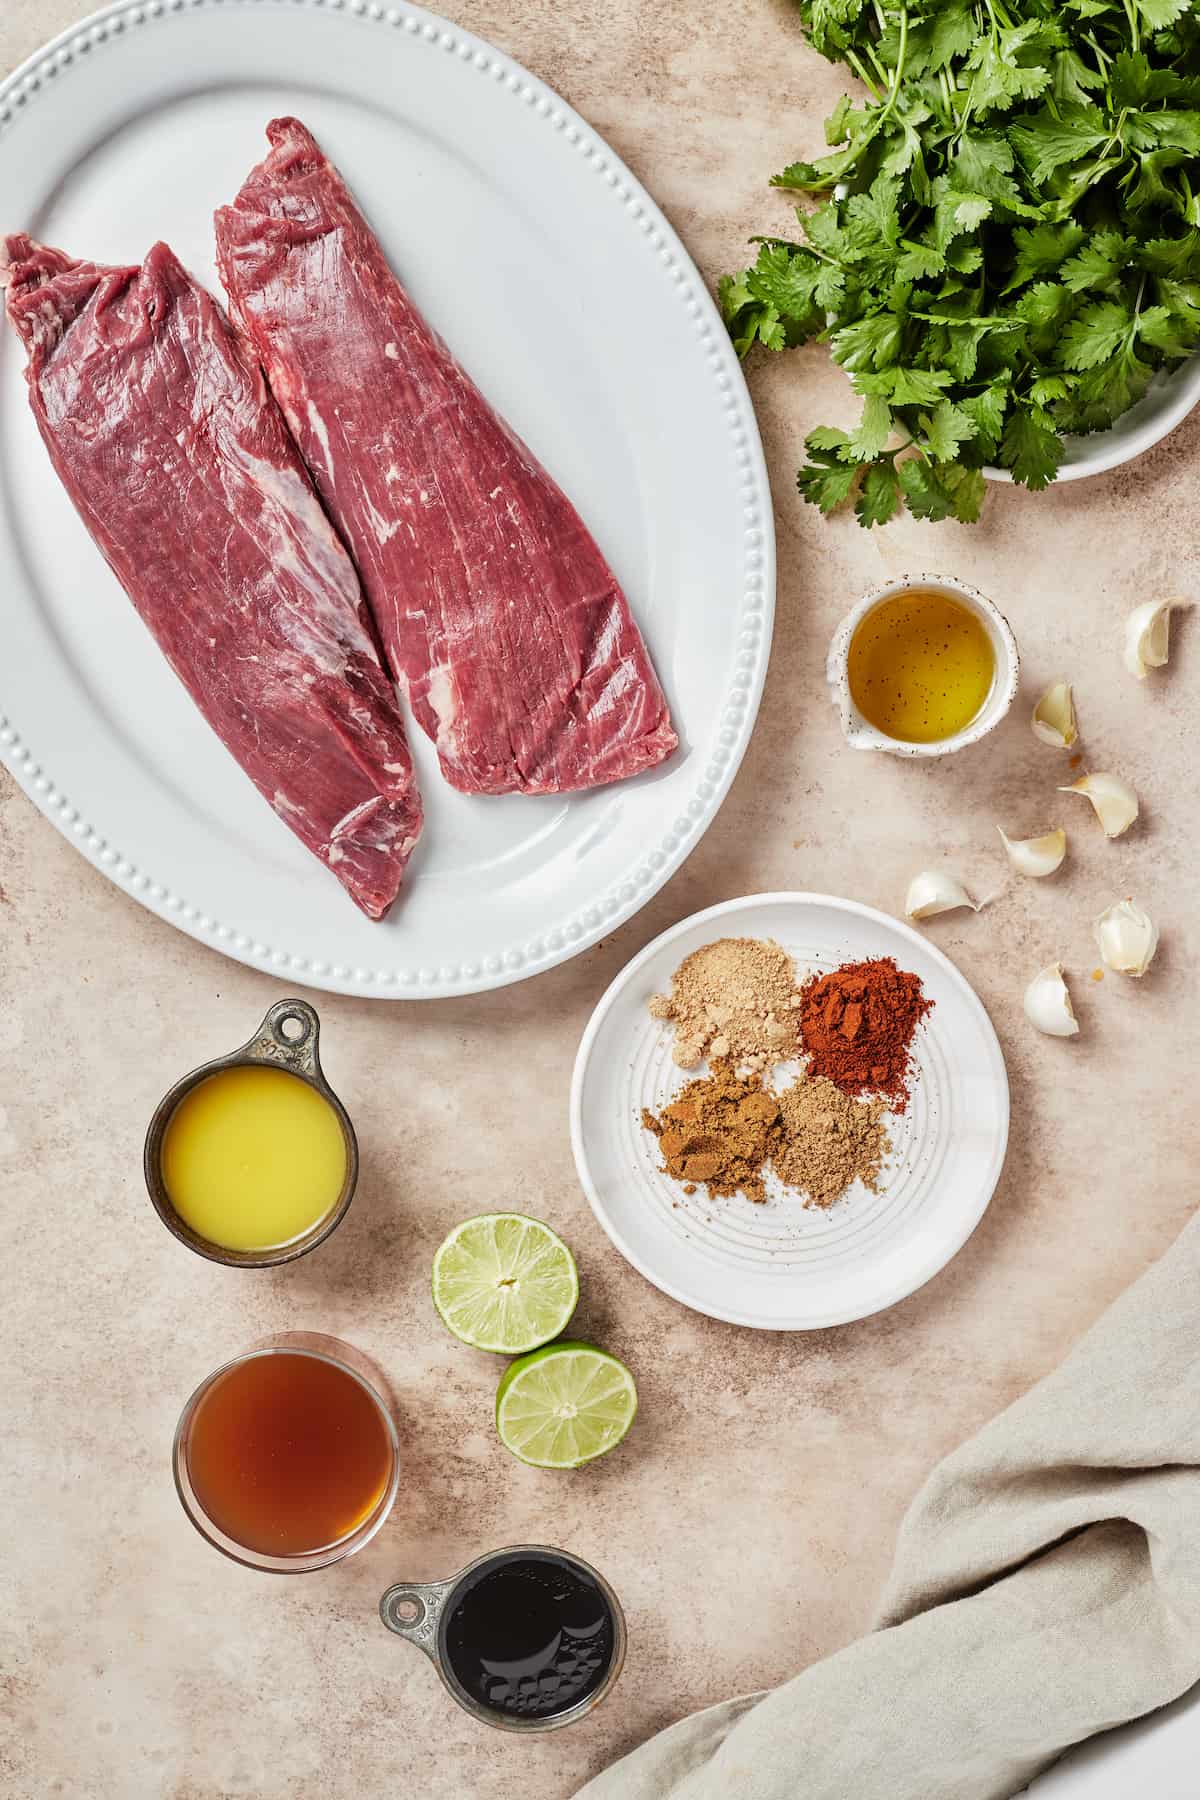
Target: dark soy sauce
[529,1635]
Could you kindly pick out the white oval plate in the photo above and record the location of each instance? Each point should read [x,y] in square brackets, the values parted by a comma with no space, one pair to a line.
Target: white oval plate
[783,1266]
[560,285]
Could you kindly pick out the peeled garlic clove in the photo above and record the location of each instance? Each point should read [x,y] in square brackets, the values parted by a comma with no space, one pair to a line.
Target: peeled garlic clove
[1036,856]
[933,892]
[1115,802]
[1127,937]
[1054,716]
[1148,636]
[1048,1004]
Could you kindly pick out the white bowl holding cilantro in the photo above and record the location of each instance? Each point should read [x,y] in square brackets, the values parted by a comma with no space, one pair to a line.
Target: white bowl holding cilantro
[1002,249]
[1165,404]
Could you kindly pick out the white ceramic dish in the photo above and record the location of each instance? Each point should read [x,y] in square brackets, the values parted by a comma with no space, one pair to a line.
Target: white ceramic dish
[1165,404]
[555,277]
[859,733]
[783,1266]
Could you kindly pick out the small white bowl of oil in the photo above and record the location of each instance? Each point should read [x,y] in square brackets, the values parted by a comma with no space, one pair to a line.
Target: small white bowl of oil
[923,665]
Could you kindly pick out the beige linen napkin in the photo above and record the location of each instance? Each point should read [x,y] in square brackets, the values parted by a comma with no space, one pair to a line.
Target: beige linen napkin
[1046,1586]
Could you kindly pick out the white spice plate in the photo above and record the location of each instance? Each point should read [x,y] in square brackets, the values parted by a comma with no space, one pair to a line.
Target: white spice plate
[556,279]
[781,1265]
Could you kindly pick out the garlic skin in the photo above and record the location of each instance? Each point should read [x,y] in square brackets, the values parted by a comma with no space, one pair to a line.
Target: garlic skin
[1054,716]
[1048,1004]
[1148,636]
[1036,857]
[1115,802]
[1127,938]
[932,892]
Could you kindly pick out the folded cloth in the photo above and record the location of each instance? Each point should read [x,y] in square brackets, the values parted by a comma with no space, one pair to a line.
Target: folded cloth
[1046,1587]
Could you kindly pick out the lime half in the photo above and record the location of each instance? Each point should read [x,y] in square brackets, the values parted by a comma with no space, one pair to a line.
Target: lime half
[504,1282]
[564,1405]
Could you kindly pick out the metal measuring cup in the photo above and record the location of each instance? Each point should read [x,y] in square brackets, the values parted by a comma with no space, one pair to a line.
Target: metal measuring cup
[420,1612]
[287,1039]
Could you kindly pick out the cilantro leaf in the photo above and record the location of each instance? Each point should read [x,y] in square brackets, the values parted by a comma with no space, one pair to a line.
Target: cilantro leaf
[880,493]
[748,321]
[928,493]
[1096,334]
[871,342]
[1043,249]
[954,33]
[1159,13]
[827,437]
[986,412]
[919,262]
[1031,447]
[826,484]
[1049,139]
[872,433]
[945,429]
[1098,263]
[785,279]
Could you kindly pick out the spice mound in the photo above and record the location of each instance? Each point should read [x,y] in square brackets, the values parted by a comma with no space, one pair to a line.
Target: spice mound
[725,1130]
[734,998]
[717,1132]
[826,1140]
[857,1026]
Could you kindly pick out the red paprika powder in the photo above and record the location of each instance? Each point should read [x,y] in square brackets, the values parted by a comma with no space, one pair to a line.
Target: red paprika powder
[857,1026]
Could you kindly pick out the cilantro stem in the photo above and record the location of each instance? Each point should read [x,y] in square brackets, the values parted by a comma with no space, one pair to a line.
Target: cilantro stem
[1131,15]
[898,73]
[854,62]
[1102,59]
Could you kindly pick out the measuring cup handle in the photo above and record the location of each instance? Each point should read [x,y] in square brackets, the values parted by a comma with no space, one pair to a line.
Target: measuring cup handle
[289,1037]
[412,1610]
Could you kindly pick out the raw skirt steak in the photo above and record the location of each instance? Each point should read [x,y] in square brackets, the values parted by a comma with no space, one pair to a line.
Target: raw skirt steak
[499,617]
[179,462]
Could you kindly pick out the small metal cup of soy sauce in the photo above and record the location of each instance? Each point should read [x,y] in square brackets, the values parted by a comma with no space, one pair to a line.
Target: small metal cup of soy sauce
[527,1638]
[288,1039]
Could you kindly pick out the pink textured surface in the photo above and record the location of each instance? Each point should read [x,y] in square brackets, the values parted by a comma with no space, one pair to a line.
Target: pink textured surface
[499,616]
[180,464]
[748,1521]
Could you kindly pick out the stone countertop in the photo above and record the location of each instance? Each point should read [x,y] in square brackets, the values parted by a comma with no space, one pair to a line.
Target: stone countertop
[748,1522]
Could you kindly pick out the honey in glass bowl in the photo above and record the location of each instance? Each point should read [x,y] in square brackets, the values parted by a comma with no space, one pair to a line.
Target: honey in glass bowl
[286,1459]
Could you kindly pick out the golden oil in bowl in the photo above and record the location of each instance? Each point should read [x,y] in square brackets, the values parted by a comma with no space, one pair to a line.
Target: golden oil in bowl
[921,666]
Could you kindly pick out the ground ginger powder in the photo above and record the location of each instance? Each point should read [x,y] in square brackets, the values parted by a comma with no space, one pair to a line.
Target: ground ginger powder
[723,1131]
[734,998]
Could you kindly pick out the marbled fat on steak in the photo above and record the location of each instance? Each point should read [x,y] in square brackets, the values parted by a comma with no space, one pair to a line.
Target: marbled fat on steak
[499,617]
[178,460]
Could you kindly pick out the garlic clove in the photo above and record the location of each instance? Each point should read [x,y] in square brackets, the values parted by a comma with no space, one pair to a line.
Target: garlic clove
[1115,802]
[932,892]
[1054,716]
[1036,856]
[1148,636]
[1127,937]
[1048,1004]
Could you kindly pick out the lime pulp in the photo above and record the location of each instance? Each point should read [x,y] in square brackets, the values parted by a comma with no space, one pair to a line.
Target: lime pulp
[504,1282]
[564,1405]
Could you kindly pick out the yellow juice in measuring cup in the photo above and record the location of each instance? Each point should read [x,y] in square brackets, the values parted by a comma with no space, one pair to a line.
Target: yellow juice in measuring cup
[253,1158]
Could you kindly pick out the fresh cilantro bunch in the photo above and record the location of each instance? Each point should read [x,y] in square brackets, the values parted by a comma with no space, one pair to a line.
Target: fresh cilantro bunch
[1010,247]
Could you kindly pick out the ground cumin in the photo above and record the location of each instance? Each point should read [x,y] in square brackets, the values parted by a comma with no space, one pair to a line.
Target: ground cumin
[734,998]
[826,1140]
[857,1025]
[725,1130]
